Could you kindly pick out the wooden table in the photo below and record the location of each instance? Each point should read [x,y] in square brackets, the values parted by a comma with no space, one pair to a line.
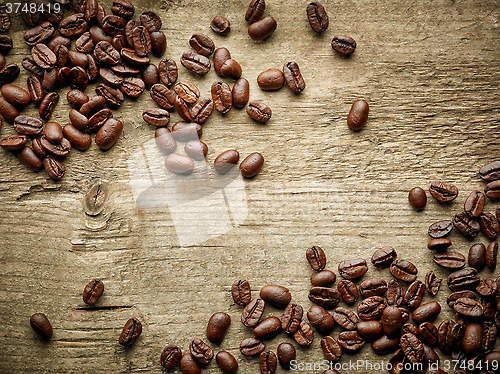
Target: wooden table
[430,72]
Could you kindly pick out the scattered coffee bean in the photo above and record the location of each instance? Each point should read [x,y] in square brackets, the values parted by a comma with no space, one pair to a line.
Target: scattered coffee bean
[492,190]
[270,80]
[262,29]
[196,149]
[179,164]
[304,335]
[466,225]
[414,294]
[358,115]
[463,279]
[320,319]
[227,363]
[477,256]
[251,165]
[491,255]
[222,97]
[41,324]
[292,316]
[449,260]
[53,132]
[373,287]
[383,257]
[490,172]
[394,294]
[443,191]
[348,291]
[317,16]
[369,330]
[251,347]
[196,63]
[220,25]
[323,278]
[403,270]
[93,291]
[255,10]
[131,332]
[170,356]
[162,96]
[221,55]
[277,296]
[345,318]
[412,348]
[13,142]
[417,198]
[253,311]
[267,328]
[326,297]
[468,307]
[231,69]
[30,159]
[331,348]
[440,229]
[109,133]
[489,225]
[350,341]
[474,204]
[432,283]
[189,365]
[241,93]
[201,352]
[202,44]
[286,354]
[8,111]
[258,111]
[352,269]
[268,362]
[343,44]
[371,308]
[77,138]
[164,140]
[217,327]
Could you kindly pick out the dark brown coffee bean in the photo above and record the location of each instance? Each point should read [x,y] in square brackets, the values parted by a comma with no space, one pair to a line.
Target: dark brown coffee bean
[77,59]
[472,340]
[84,43]
[15,95]
[450,336]
[93,291]
[417,198]
[38,149]
[463,279]
[227,363]
[490,334]
[170,356]
[61,52]
[141,41]
[168,71]
[268,362]
[108,134]
[201,352]
[79,120]
[317,16]
[53,132]
[196,63]
[31,18]
[253,311]
[320,319]
[156,117]
[221,55]
[373,287]
[426,312]
[352,269]
[73,25]
[323,278]
[110,78]
[262,29]
[189,365]
[29,64]
[132,87]
[270,80]
[58,40]
[259,112]
[412,348]
[241,93]
[91,8]
[30,159]
[443,191]
[151,21]
[371,308]
[414,294]
[267,328]
[350,341]
[202,44]
[348,291]
[30,126]
[316,257]
[487,288]
[196,149]
[202,110]
[490,172]
[477,256]
[9,73]
[491,255]
[113,24]
[179,164]
[131,332]
[394,293]
[467,226]
[158,43]
[290,321]
[39,34]
[226,160]
[48,105]
[428,333]
[293,77]
[326,297]
[369,330]
[185,131]
[343,44]
[150,75]
[182,109]
[77,138]
[165,141]
[251,165]
[78,78]
[392,320]
[439,244]
[345,318]
[277,296]
[384,344]
[488,223]
[220,25]
[383,257]
[123,8]
[222,97]
[5,44]
[474,204]
[162,96]
[43,56]
[61,149]
[449,260]
[5,22]
[52,76]
[454,296]
[106,54]
[492,190]
[187,92]
[331,349]
[286,354]
[8,111]
[255,10]
[114,98]
[129,28]
[403,270]
[251,347]
[358,115]
[217,327]
[13,142]
[41,325]
[432,283]
[304,335]
[468,307]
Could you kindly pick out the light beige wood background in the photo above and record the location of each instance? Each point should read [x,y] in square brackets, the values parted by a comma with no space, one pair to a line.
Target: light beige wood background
[430,72]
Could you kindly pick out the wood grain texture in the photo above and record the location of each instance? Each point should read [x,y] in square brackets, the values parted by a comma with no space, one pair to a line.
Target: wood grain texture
[430,73]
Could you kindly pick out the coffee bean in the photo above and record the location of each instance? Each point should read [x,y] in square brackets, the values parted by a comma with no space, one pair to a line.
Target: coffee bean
[29,64]
[394,294]
[78,78]
[129,28]
[79,120]
[227,363]
[15,95]
[292,316]
[468,307]
[93,291]
[489,225]
[251,347]
[198,64]
[170,356]
[202,44]
[323,278]
[392,320]
[185,131]
[317,16]
[345,318]
[440,229]
[286,354]
[30,126]
[150,75]
[130,57]
[84,43]
[5,22]
[189,365]
[241,93]
[52,76]
[371,308]
[114,24]
[348,291]
[403,270]
[73,25]
[385,344]
[114,98]
[443,191]
[259,112]
[412,348]
[196,149]
[449,260]
[220,25]
[414,294]
[131,332]
[168,71]
[352,269]
[53,132]
[293,77]
[182,109]
[490,334]
[162,96]
[255,10]
[48,105]
[101,14]
[41,324]
[110,78]
[428,333]
[350,340]
[61,52]
[13,142]
[343,44]
[331,348]
[201,352]
[304,335]
[179,164]
[158,43]
[454,296]
[474,204]
[141,41]
[320,319]
[31,18]
[61,149]
[156,117]
[77,59]
[326,297]
[106,54]
[369,330]
[221,55]
[251,165]
[222,97]
[358,115]
[316,257]
[253,311]
[30,159]
[432,283]
[187,92]
[77,138]
[231,69]
[268,362]
[492,190]
[9,73]
[277,296]
[8,111]
[132,86]
[240,290]
[417,198]
[477,256]
[151,21]
[202,110]
[262,29]
[472,340]
[58,40]
[450,336]
[39,34]
[490,172]
[463,279]
[426,312]
[383,257]
[217,327]
[373,287]
[487,288]
[267,328]
[467,226]
[270,80]
[109,133]
[164,140]
[491,255]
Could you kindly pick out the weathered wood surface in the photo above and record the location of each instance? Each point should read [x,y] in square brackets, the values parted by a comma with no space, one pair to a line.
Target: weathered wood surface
[430,72]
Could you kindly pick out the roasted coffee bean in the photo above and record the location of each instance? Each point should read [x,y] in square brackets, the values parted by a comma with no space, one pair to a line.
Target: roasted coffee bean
[217,327]
[5,44]
[384,344]
[158,43]
[241,93]
[77,138]
[162,96]
[15,95]
[84,43]
[492,189]
[2,61]
[150,75]
[165,141]
[30,159]
[73,25]
[268,362]
[409,328]
[428,333]
[474,204]
[405,313]
[201,352]
[5,22]
[9,73]
[251,165]
[109,133]
[384,256]
[43,56]
[489,307]
[101,14]
[170,356]
[394,294]
[13,142]
[439,244]
[443,191]
[373,287]
[58,40]
[468,307]
[220,25]
[371,308]
[267,328]
[29,64]
[31,18]
[293,77]
[277,296]
[286,354]
[412,348]
[77,59]
[221,55]
[477,256]
[168,71]
[202,44]
[156,117]
[262,29]
[114,98]
[253,311]
[48,105]
[417,198]
[490,172]
[123,8]
[8,111]
[185,131]
[432,283]
[403,270]
[255,10]
[316,257]
[251,347]
[343,44]
[222,97]
[61,52]
[141,41]
[189,365]
[392,320]
[358,115]
[323,278]
[290,321]
[231,69]
[331,348]
[39,33]
[41,324]
[487,288]
[61,149]
[472,340]
[350,341]
[414,294]
[450,336]
[463,279]
[270,80]
[78,78]
[151,21]
[348,291]
[132,87]
[467,226]
[30,126]
[179,164]
[93,291]
[304,335]
[454,296]
[317,16]
[90,11]
[369,330]
[196,63]
[196,149]
[490,333]
[53,132]
[491,255]
[106,54]
[129,28]
[226,160]
[326,297]
[131,332]
[114,24]
[187,92]
[227,363]
[345,318]
[38,149]
[52,76]
[110,78]
[488,223]
[79,120]
[320,319]
[181,107]
[352,269]
[202,110]
[449,260]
